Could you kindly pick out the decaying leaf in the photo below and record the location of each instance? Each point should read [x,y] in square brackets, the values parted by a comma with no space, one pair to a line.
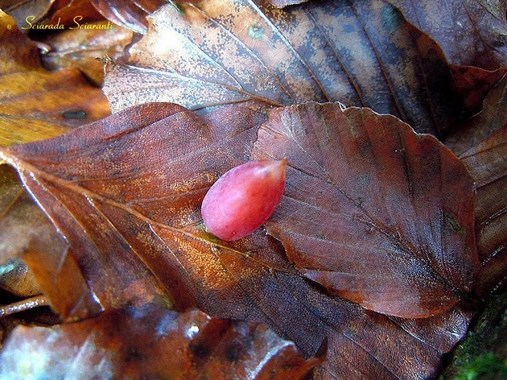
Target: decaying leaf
[220,52]
[26,234]
[152,342]
[470,32]
[37,104]
[372,211]
[132,184]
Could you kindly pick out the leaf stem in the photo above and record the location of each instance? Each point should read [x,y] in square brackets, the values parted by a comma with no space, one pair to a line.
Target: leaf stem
[23,305]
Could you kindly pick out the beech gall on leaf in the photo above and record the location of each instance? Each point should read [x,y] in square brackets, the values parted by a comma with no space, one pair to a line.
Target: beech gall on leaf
[243,198]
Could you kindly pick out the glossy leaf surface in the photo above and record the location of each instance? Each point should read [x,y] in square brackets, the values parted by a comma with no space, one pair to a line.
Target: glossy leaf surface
[152,342]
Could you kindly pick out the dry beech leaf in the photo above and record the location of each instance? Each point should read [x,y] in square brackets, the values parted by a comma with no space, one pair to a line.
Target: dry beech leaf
[470,32]
[155,343]
[374,212]
[359,53]
[35,103]
[132,184]
[129,14]
[82,48]
[26,234]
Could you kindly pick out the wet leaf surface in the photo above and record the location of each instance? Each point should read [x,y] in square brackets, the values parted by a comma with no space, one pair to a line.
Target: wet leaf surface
[372,211]
[221,52]
[152,342]
[35,103]
[470,32]
[133,184]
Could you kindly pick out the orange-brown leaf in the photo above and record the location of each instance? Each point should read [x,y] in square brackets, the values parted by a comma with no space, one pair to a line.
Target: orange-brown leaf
[35,103]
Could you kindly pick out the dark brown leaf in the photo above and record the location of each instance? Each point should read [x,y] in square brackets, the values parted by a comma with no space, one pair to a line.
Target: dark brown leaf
[470,32]
[115,211]
[481,145]
[25,233]
[487,163]
[477,129]
[132,184]
[360,53]
[372,211]
[473,84]
[152,342]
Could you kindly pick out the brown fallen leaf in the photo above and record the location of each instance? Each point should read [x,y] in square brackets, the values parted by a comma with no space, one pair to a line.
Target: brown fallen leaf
[487,163]
[35,103]
[152,342]
[470,32]
[372,211]
[480,144]
[26,234]
[220,52]
[132,184]
[84,48]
